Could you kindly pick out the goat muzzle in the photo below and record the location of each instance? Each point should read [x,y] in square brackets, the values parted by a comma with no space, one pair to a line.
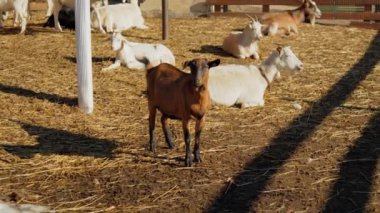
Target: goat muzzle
[300,67]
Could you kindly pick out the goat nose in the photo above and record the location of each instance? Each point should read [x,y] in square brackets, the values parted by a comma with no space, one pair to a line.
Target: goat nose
[300,67]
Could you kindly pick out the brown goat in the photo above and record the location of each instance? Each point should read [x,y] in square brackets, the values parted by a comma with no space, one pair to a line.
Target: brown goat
[179,95]
[289,20]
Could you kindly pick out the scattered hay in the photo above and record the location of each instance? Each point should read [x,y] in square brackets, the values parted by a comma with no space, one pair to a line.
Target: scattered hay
[52,154]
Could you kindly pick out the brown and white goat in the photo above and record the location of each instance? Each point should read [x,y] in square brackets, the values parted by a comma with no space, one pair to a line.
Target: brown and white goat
[179,95]
[288,21]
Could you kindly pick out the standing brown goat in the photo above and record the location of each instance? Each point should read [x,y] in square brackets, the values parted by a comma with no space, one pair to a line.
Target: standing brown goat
[289,20]
[179,95]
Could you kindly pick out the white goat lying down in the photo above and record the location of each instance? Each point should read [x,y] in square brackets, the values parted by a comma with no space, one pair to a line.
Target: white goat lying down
[21,11]
[244,44]
[245,85]
[117,17]
[127,52]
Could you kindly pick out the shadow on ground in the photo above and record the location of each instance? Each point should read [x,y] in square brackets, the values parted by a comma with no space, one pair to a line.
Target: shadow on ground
[53,98]
[59,142]
[260,170]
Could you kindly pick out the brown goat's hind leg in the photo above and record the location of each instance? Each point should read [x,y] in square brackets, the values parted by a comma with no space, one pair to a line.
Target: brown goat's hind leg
[152,120]
[167,132]
[186,133]
[197,146]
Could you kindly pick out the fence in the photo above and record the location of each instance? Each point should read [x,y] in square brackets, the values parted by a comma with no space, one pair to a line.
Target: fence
[362,13]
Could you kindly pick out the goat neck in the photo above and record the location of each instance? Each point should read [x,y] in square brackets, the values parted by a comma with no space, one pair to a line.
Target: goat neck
[298,14]
[247,38]
[271,66]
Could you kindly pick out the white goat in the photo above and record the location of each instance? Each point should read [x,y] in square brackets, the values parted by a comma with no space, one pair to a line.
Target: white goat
[127,52]
[117,17]
[20,8]
[22,208]
[244,44]
[245,85]
[54,6]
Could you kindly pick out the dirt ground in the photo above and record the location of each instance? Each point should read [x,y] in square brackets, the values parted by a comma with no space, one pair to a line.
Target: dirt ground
[321,158]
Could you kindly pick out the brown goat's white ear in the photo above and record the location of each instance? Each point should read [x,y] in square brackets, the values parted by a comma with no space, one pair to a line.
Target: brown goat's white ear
[213,63]
[279,50]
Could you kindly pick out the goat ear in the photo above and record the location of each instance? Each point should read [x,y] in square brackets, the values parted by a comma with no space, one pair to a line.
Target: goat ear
[186,64]
[213,63]
[279,50]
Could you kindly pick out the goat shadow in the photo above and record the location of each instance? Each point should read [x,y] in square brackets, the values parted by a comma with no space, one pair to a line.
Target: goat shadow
[73,59]
[11,31]
[53,98]
[61,142]
[211,49]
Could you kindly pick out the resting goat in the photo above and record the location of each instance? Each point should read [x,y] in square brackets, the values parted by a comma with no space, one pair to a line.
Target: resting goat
[288,21]
[179,95]
[126,53]
[118,17]
[20,8]
[244,44]
[55,6]
[245,85]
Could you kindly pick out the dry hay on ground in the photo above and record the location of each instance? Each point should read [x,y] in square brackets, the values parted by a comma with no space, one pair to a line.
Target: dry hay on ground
[52,154]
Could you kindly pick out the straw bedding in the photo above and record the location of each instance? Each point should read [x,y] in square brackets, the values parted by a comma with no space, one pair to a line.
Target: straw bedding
[52,154]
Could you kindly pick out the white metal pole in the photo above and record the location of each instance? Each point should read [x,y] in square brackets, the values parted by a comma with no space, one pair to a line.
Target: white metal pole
[84,66]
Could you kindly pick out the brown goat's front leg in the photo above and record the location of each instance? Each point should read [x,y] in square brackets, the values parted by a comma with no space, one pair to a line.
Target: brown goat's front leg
[198,129]
[167,132]
[186,133]
[152,120]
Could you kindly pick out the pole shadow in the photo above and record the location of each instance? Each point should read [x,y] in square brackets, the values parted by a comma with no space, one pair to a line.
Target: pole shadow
[249,184]
[53,98]
[351,192]
[60,142]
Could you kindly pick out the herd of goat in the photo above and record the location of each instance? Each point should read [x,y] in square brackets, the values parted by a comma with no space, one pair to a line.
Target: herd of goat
[178,94]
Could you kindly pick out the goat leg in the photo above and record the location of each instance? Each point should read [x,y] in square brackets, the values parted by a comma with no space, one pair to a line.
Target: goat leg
[198,129]
[167,132]
[152,120]
[186,133]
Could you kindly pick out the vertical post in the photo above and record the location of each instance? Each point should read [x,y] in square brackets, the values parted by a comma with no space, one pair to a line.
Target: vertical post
[368,8]
[165,20]
[218,8]
[225,8]
[266,8]
[84,66]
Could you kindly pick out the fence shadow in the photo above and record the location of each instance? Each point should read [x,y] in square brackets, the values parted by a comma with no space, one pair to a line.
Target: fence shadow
[60,142]
[53,98]
[249,184]
[351,192]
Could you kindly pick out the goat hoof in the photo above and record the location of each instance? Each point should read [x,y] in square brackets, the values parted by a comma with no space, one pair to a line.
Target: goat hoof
[171,146]
[152,149]
[198,159]
[188,162]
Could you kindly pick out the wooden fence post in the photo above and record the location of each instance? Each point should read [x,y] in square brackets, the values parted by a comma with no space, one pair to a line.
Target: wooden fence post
[165,20]
[266,8]
[84,66]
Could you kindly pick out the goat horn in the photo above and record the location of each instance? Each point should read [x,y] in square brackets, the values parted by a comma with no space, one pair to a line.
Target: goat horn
[257,19]
[250,17]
